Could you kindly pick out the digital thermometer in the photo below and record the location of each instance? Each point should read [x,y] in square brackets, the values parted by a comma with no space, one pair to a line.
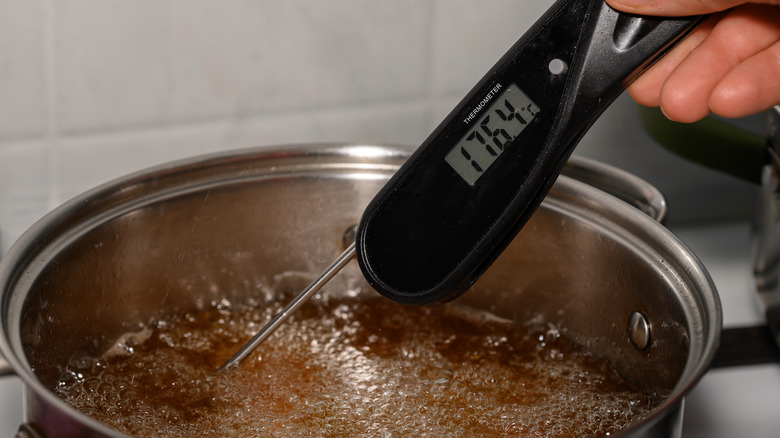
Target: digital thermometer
[459,200]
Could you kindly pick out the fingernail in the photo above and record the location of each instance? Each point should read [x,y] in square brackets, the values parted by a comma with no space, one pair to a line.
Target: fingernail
[664,113]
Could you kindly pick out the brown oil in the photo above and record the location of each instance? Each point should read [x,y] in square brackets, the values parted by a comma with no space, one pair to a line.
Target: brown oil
[352,367]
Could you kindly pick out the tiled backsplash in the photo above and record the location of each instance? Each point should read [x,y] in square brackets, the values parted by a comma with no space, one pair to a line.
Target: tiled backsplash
[94,89]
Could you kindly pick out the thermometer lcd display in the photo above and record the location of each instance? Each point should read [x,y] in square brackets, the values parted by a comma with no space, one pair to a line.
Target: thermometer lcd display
[501,124]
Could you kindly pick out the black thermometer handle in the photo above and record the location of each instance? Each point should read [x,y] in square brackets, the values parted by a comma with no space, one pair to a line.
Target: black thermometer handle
[464,194]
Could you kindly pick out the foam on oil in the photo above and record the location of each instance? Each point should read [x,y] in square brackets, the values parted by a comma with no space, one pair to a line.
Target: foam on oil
[352,367]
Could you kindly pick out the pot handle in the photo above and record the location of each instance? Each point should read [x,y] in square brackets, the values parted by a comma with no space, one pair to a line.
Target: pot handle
[620,184]
[741,346]
[710,142]
[27,430]
[5,368]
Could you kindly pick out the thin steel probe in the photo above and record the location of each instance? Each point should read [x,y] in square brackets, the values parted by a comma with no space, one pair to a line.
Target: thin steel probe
[291,307]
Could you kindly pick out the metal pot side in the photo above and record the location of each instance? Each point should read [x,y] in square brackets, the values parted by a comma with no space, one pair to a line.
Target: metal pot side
[182,236]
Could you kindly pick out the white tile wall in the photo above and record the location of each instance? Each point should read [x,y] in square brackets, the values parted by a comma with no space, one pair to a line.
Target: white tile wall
[471,35]
[93,89]
[25,181]
[23,90]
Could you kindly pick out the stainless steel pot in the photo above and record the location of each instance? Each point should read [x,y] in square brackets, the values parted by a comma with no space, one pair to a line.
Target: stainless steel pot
[181,236]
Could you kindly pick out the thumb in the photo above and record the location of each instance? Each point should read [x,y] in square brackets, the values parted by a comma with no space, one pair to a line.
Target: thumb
[674,8]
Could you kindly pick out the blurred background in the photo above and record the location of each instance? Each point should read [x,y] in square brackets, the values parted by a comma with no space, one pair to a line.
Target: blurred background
[91,90]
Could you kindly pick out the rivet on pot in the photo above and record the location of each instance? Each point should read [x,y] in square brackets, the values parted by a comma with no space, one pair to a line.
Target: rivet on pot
[639,330]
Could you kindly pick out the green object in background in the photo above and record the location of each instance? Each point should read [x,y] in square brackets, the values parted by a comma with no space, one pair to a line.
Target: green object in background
[710,142]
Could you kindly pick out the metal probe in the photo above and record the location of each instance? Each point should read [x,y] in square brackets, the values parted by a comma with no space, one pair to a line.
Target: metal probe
[292,306]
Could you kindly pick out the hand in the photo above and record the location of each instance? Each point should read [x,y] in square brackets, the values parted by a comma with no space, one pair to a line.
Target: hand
[729,65]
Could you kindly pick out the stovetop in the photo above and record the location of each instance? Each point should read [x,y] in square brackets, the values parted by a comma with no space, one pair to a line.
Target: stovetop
[727,403]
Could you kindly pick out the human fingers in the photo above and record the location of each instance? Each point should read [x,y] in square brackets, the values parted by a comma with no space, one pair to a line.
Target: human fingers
[712,78]
[672,8]
[751,87]
[646,89]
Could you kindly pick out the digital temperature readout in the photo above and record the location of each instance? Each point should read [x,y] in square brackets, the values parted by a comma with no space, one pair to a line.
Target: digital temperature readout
[501,124]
